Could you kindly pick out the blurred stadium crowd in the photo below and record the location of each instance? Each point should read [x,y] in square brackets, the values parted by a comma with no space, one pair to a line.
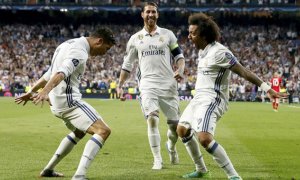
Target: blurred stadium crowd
[26,52]
[160,2]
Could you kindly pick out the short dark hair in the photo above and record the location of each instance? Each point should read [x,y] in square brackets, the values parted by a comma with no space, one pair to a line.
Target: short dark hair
[104,33]
[149,4]
[207,27]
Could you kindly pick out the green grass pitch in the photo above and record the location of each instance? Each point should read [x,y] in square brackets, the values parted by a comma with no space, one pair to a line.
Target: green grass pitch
[262,144]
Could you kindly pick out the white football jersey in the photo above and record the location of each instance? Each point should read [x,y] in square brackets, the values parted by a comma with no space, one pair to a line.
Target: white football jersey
[155,71]
[213,75]
[70,58]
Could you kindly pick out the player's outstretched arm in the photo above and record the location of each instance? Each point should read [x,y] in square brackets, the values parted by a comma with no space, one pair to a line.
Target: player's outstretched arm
[249,76]
[28,96]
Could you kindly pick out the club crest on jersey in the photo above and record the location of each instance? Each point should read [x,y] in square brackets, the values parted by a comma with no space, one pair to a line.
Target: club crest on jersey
[140,36]
[75,62]
[230,57]
[161,39]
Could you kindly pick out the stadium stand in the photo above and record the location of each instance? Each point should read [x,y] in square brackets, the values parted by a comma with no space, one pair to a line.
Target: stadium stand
[260,41]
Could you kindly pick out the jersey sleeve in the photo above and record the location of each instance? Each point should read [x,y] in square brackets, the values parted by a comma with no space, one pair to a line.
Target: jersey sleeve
[47,74]
[130,56]
[174,47]
[225,58]
[75,58]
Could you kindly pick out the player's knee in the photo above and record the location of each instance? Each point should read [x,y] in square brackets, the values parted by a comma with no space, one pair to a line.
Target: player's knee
[106,131]
[153,120]
[204,142]
[79,134]
[182,131]
[205,139]
[103,131]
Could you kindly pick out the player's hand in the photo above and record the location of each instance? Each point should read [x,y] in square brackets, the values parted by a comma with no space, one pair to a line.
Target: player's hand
[23,98]
[178,75]
[120,94]
[41,97]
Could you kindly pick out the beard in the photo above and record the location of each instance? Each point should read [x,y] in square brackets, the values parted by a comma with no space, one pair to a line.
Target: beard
[151,22]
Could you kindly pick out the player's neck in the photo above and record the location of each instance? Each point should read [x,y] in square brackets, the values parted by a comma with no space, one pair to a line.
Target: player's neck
[150,29]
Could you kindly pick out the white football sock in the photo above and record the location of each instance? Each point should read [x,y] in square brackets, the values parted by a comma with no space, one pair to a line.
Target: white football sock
[220,156]
[154,137]
[172,136]
[90,151]
[64,148]
[193,149]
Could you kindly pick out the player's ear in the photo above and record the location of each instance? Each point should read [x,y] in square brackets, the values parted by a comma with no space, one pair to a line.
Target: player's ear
[142,14]
[100,41]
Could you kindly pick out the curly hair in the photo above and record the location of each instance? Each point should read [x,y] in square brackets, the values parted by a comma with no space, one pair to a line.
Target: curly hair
[207,27]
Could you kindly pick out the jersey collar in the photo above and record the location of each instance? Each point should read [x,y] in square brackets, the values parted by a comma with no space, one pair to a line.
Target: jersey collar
[203,52]
[156,32]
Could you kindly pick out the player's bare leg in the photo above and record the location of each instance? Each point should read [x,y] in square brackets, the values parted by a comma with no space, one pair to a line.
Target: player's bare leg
[274,105]
[277,103]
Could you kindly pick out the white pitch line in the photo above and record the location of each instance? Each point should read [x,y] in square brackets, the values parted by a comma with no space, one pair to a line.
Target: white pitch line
[290,106]
[294,106]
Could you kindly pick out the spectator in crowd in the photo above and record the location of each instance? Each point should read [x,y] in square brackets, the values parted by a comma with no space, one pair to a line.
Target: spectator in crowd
[265,50]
